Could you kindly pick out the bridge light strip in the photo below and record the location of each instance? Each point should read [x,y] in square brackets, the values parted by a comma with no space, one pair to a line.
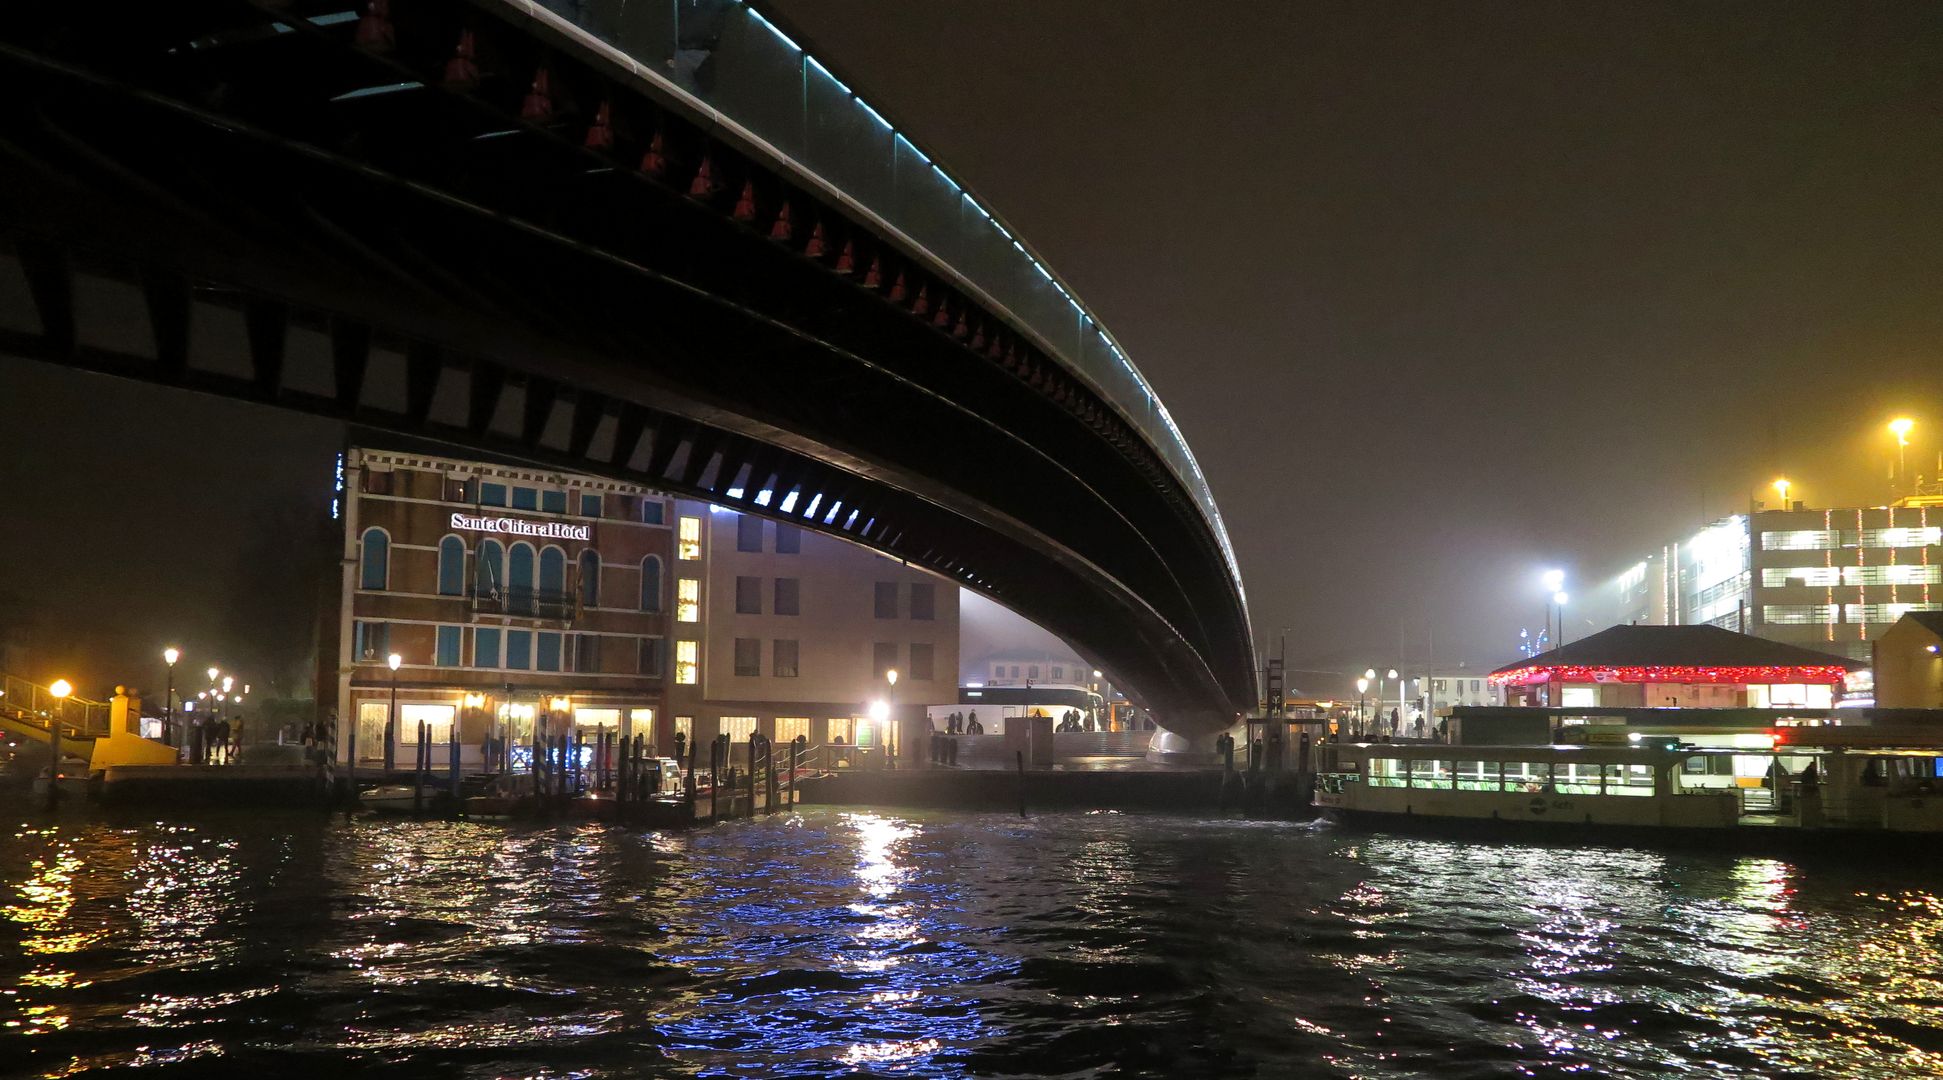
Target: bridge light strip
[865,106]
[373,91]
[834,81]
[774,29]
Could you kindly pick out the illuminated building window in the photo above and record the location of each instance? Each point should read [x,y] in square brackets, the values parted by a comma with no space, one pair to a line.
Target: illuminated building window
[436,718]
[691,539]
[688,600]
[374,559]
[1797,614]
[687,662]
[685,727]
[748,657]
[1798,540]
[738,728]
[1882,613]
[651,583]
[789,727]
[842,729]
[1826,576]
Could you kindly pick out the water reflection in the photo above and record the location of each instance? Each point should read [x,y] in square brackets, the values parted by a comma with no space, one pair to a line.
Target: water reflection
[909,944]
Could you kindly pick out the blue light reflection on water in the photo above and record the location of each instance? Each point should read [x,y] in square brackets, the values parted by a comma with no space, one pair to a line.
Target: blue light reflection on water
[884,943]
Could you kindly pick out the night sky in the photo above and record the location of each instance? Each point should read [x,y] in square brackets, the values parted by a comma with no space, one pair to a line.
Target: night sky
[1439,294]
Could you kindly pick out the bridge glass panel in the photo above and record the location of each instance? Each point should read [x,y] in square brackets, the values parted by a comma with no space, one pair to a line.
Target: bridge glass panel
[754,76]
[846,142]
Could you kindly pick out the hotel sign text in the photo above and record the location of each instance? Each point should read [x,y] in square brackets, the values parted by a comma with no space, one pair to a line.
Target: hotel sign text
[551,529]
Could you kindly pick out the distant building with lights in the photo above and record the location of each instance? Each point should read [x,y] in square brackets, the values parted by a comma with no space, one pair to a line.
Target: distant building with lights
[517,597]
[1832,580]
[1694,667]
[1909,663]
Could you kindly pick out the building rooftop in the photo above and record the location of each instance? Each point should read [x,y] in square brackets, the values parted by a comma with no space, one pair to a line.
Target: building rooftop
[1676,647]
[1928,620]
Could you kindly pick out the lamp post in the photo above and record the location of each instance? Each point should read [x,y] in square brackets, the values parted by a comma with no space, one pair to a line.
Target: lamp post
[169,656]
[1392,674]
[1362,690]
[1781,487]
[391,715]
[1554,582]
[1559,598]
[1900,427]
[61,688]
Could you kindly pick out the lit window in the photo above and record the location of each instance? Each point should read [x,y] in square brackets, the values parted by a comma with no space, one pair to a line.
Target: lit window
[788,728]
[691,539]
[688,600]
[685,727]
[687,662]
[738,728]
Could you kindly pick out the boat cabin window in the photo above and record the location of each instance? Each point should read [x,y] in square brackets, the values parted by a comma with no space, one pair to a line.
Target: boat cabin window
[1575,778]
[1527,775]
[1388,772]
[1477,776]
[1629,779]
[1707,772]
[1430,774]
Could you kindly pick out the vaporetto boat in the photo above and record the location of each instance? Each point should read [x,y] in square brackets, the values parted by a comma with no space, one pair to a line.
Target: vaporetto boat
[1812,782]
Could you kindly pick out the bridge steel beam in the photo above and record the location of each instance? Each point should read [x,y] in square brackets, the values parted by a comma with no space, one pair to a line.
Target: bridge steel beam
[297,220]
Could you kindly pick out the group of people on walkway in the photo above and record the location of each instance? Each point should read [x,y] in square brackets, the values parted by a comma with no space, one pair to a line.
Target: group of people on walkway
[960,724]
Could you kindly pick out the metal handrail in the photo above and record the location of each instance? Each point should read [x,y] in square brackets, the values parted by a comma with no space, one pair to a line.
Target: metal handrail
[28,702]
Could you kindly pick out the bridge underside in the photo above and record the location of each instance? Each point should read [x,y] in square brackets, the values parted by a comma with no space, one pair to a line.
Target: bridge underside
[194,200]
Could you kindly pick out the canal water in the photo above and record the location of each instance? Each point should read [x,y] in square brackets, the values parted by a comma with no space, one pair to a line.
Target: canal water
[930,944]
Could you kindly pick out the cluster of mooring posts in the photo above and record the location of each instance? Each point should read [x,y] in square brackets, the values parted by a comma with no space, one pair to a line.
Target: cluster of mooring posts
[609,777]
[1278,777]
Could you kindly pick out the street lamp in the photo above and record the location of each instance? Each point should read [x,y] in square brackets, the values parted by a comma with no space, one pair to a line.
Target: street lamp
[1781,487]
[1554,581]
[391,716]
[61,688]
[1362,699]
[169,656]
[1392,674]
[1900,427]
[1560,598]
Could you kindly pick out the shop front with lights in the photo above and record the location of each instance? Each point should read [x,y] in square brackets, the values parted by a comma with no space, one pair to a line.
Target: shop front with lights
[1687,667]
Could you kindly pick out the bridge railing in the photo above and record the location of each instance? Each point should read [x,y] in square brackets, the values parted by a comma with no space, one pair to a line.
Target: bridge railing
[34,704]
[725,55]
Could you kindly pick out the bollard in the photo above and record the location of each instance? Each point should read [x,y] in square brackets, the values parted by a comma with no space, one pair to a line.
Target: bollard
[418,770]
[1021,757]
[53,763]
[753,737]
[621,774]
[714,779]
[351,771]
[452,746]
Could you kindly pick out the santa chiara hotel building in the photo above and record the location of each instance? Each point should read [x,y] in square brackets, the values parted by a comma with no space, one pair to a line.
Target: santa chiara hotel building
[516,596]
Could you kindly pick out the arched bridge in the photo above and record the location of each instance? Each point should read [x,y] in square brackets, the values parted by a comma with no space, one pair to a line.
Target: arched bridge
[654,240]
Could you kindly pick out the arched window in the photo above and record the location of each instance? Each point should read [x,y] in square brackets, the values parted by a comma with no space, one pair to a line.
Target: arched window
[651,583]
[519,579]
[452,567]
[489,570]
[553,575]
[590,578]
[375,560]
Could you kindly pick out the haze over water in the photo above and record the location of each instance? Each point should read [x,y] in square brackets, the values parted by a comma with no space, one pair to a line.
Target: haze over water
[921,944]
